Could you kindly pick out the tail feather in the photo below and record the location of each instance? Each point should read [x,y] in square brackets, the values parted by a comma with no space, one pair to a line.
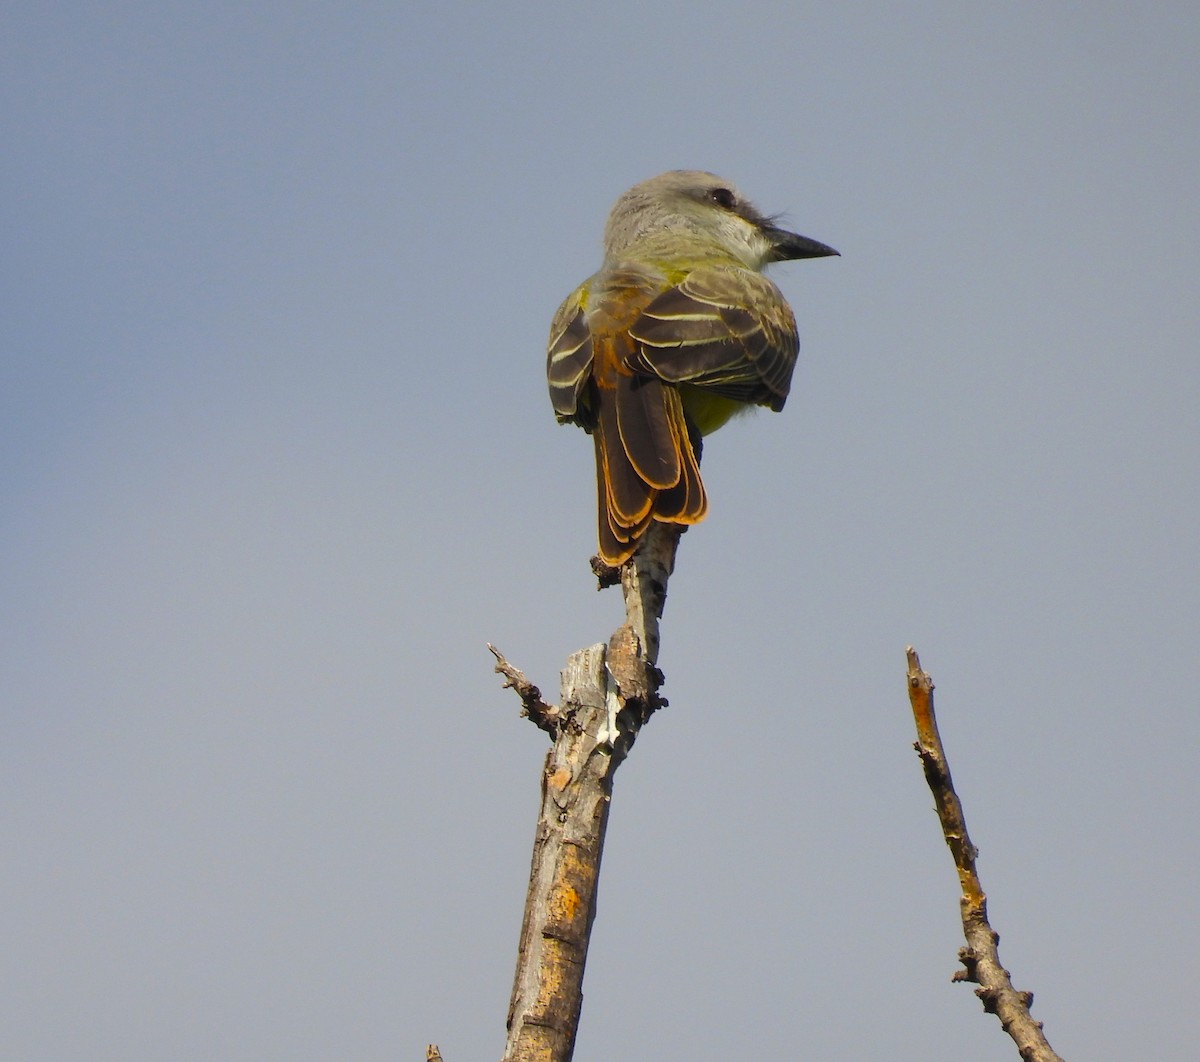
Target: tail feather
[687,501]
[647,467]
[618,535]
[648,432]
[629,498]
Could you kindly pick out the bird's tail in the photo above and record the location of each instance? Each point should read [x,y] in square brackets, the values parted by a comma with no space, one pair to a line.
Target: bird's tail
[647,464]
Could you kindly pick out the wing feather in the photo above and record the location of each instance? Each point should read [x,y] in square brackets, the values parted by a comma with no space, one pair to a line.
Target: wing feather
[569,357]
[722,328]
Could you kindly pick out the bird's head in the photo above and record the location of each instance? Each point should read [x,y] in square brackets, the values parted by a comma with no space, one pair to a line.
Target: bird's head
[692,207]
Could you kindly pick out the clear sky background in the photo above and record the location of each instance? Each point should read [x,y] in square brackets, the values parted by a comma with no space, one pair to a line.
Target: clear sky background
[278,460]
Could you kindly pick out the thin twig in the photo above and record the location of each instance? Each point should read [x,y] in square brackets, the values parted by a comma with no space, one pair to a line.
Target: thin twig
[545,716]
[980,958]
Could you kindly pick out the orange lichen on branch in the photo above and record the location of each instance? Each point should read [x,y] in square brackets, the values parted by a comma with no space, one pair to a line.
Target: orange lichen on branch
[565,903]
[937,774]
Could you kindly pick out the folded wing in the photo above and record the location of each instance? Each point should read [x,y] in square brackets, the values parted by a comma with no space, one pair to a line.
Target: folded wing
[724,329]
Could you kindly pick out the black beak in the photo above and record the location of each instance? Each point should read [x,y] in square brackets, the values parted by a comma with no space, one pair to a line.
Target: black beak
[789,245]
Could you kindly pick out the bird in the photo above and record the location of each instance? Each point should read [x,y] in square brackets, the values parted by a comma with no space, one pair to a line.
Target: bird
[677,332]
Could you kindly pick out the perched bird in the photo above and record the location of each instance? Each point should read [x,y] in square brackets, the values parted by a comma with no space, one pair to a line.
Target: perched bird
[677,332]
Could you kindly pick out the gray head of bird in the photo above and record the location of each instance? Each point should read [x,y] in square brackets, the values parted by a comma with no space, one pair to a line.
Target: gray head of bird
[690,211]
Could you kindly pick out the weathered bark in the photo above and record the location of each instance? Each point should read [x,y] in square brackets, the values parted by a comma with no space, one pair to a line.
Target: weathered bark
[980,958]
[543,1015]
[608,693]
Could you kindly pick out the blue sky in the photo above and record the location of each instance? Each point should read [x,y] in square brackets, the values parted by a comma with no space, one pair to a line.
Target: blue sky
[278,460]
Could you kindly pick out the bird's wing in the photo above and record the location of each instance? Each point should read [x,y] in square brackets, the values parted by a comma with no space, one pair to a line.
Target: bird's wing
[722,328]
[569,359]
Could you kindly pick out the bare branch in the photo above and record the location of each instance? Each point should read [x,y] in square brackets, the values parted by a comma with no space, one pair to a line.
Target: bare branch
[980,958]
[608,694]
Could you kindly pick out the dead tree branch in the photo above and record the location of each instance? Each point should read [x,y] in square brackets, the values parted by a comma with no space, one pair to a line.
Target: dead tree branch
[980,958]
[609,691]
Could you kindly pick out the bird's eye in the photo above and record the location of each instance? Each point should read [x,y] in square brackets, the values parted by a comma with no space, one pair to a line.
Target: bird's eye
[723,197]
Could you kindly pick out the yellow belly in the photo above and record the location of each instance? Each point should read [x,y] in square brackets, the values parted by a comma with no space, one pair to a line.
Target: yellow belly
[707,410]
